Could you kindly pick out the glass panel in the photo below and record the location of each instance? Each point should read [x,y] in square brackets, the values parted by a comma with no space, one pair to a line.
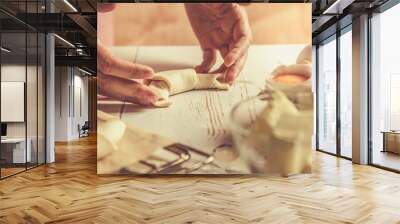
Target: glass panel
[327,97]
[385,84]
[22,88]
[13,86]
[32,89]
[31,98]
[41,99]
[346,94]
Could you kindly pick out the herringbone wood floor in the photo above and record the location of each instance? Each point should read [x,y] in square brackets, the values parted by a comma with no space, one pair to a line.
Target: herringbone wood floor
[69,191]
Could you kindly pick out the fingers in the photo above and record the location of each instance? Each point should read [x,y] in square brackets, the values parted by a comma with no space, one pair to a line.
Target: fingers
[105,7]
[221,69]
[110,65]
[241,39]
[209,59]
[237,51]
[233,71]
[125,90]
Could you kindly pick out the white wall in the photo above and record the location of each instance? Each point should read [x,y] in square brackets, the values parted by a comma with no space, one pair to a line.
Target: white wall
[16,73]
[80,110]
[33,127]
[61,104]
[71,94]
[11,73]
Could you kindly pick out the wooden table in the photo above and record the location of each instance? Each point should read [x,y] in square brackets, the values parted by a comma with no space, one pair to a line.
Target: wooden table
[198,118]
[391,141]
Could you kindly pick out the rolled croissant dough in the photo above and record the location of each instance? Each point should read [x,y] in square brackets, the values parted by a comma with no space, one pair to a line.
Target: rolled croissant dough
[168,83]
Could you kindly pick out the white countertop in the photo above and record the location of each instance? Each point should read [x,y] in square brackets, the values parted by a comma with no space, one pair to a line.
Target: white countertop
[199,118]
[13,140]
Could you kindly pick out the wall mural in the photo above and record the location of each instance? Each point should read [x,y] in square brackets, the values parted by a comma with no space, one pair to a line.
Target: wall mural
[199,88]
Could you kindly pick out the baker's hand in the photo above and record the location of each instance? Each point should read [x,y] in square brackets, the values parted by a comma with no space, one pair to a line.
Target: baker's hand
[115,78]
[223,28]
[105,7]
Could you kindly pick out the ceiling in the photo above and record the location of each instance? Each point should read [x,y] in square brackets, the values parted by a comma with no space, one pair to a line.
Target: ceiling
[76,22]
[73,20]
[329,16]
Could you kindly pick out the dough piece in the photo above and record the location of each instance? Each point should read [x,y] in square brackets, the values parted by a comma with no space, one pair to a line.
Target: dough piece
[172,82]
[211,81]
[109,133]
[124,52]
[121,145]
[162,90]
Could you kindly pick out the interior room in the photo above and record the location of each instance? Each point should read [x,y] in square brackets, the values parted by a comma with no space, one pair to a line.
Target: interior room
[49,136]
[22,97]
[29,59]
[385,72]
[333,51]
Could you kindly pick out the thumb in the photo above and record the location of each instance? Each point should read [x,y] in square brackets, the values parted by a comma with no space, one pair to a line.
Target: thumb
[209,59]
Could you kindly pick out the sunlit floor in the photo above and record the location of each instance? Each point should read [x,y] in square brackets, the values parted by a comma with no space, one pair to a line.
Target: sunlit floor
[386,159]
[8,171]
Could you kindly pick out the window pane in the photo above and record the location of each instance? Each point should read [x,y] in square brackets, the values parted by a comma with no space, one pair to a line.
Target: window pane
[13,86]
[23,84]
[346,94]
[386,89]
[327,97]
[31,97]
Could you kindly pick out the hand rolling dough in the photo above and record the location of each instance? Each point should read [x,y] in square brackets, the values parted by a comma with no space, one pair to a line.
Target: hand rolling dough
[172,82]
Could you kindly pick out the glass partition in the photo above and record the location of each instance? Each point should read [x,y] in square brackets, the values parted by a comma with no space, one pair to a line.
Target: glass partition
[13,94]
[32,88]
[327,96]
[22,90]
[346,93]
[385,90]
[31,98]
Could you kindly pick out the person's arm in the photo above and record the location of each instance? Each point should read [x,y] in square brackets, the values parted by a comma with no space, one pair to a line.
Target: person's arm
[221,28]
[115,76]
[105,7]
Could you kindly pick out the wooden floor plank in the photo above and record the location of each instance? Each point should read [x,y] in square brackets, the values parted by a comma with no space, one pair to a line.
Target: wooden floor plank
[69,191]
